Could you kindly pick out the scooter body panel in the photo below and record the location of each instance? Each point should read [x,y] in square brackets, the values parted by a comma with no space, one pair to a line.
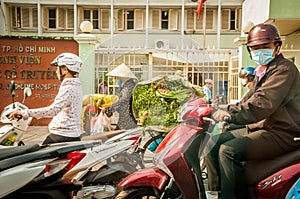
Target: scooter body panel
[278,184]
[149,177]
[16,177]
[99,154]
[176,161]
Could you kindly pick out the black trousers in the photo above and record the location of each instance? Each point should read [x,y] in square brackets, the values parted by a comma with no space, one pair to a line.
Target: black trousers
[226,156]
[52,138]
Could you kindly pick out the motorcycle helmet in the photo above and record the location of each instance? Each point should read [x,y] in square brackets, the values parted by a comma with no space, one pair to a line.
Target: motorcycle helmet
[248,73]
[69,60]
[263,34]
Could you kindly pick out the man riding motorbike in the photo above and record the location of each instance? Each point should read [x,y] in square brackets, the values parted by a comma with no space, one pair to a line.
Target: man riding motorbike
[273,99]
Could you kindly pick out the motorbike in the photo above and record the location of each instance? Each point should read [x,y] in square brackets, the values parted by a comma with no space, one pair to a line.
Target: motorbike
[11,133]
[177,173]
[16,161]
[106,165]
[35,171]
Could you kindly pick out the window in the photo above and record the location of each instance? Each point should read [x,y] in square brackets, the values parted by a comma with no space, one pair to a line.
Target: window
[164,20]
[24,17]
[231,19]
[206,18]
[92,16]
[58,18]
[52,18]
[130,19]
[100,18]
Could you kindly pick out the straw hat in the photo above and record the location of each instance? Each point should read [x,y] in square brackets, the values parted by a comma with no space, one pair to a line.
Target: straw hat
[122,71]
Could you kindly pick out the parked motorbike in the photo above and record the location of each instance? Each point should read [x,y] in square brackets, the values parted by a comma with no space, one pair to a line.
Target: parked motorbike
[11,133]
[177,174]
[106,165]
[35,171]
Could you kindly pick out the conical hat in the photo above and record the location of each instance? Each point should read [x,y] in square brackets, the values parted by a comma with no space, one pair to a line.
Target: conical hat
[122,71]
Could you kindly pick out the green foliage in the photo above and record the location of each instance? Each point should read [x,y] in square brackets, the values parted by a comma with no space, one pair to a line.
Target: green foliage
[157,102]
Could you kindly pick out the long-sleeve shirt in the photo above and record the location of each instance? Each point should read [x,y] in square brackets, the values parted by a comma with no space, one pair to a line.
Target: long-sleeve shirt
[65,110]
[207,92]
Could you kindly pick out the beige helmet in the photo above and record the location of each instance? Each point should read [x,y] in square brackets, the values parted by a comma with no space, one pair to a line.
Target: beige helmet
[122,71]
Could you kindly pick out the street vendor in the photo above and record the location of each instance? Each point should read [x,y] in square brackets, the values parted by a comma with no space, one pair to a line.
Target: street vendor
[124,77]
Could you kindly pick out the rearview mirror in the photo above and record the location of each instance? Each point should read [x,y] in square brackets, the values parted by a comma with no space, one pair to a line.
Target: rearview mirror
[27,93]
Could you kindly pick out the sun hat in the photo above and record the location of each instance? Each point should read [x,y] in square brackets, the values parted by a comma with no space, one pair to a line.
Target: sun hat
[122,71]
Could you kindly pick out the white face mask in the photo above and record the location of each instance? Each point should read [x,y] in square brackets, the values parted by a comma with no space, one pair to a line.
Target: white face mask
[244,82]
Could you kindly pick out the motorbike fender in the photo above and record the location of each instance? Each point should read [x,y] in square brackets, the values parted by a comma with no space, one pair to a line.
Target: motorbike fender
[150,177]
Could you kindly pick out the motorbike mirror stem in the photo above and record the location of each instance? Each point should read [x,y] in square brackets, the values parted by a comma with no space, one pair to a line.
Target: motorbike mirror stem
[13,92]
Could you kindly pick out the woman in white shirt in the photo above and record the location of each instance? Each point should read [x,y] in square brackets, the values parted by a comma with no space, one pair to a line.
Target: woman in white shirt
[67,106]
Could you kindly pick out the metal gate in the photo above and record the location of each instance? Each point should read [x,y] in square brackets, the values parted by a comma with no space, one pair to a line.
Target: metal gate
[197,65]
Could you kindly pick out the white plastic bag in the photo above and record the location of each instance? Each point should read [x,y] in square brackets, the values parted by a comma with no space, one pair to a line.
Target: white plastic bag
[100,123]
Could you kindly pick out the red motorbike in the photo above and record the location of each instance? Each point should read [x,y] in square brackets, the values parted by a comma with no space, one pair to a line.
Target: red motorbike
[177,173]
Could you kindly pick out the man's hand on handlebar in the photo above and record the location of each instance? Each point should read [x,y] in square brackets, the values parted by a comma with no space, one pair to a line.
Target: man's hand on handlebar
[221,115]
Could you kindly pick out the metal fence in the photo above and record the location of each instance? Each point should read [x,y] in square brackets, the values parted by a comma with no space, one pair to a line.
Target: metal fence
[197,65]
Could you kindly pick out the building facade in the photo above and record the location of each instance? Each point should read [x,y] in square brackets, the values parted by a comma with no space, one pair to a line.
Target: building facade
[122,23]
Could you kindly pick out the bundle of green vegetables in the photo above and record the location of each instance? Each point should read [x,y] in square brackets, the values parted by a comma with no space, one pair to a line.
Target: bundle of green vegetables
[157,102]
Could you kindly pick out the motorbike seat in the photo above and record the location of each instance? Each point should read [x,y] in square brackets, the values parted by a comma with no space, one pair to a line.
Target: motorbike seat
[258,170]
[8,152]
[54,151]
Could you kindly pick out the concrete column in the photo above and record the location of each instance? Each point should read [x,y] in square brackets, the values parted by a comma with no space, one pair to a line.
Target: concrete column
[87,44]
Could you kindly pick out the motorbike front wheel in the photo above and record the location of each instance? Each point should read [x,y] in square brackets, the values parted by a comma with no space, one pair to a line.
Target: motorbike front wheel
[139,193]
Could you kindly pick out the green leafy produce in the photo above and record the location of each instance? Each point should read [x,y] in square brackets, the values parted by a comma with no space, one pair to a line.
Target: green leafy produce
[157,102]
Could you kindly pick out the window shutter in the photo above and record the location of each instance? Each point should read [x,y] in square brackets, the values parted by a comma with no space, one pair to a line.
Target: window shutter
[156,19]
[139,19]
[25,18]
[189,20]
[34,17]
[14,17]
[198,23]
[173,19]
[45,18]
[70,19]
[61,18]
[209,19]
[238,23]
[80,16]
[225,19]
[120,19]
[105,19]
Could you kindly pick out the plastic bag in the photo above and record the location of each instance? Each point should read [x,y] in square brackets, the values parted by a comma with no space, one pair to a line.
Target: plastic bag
[100,123]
